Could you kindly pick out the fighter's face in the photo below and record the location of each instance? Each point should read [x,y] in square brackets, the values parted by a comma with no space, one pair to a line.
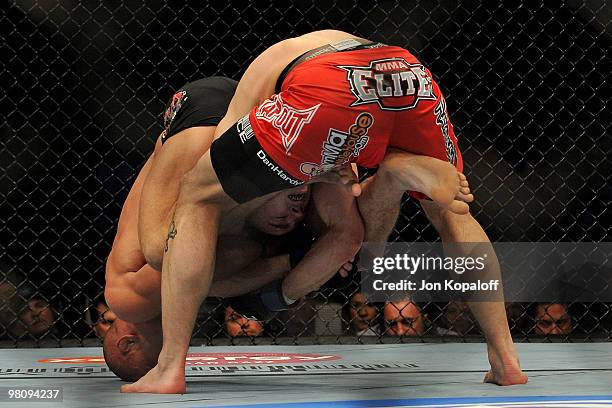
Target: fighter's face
[280,214]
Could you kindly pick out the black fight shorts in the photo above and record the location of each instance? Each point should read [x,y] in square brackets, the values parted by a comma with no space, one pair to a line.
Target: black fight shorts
[200,103]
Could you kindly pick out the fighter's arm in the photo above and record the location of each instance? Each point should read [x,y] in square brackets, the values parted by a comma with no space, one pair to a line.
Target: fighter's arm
[161,187]
[340,236]
[242,267]
[133,295]
[134,292]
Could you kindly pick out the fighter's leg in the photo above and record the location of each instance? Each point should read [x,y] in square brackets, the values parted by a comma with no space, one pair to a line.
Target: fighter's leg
[160,189]
[399,172]
[333,216]
[491,316]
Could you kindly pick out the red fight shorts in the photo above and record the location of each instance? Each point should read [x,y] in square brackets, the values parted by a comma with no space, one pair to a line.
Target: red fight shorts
[344,106]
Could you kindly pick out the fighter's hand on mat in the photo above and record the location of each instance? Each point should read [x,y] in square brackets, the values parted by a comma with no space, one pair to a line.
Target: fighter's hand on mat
[262,304]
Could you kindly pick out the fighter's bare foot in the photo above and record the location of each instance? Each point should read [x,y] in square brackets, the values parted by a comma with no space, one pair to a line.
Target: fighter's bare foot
[158,381]
[464,196]
[505,369]
[437,179]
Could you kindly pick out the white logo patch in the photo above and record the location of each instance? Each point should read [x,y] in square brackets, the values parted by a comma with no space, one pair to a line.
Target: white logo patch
[288,120]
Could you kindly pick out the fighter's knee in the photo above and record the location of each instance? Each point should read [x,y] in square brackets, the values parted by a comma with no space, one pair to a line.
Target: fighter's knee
[151,246]
[153,254]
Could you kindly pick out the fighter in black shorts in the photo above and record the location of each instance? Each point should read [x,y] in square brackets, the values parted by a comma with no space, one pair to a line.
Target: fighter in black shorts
[251,267]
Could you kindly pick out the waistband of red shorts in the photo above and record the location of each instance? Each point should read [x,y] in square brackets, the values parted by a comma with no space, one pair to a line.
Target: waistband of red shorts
[350,44]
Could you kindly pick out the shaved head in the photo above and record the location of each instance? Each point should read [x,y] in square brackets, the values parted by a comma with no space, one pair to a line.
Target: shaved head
[130,350]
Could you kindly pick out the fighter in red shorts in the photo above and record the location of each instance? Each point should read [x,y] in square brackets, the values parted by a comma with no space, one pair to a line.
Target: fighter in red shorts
[342,100]
[345,102]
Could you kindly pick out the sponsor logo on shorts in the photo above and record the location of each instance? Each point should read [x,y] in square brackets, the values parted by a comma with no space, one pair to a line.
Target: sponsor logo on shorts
[341,147]
[244,128]
[392,83]
[443,122]
[277,170]
[172,109]
[288,120]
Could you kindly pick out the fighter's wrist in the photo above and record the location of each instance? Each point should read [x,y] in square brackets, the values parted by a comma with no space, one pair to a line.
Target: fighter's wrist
[288,300]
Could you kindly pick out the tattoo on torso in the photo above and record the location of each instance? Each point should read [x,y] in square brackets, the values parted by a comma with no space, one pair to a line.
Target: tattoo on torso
[171,234]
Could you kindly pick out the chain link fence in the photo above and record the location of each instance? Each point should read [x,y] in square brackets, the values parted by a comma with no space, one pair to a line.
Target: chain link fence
[85,84]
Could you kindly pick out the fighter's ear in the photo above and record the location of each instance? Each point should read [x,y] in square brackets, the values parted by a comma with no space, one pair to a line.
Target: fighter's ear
[127,343]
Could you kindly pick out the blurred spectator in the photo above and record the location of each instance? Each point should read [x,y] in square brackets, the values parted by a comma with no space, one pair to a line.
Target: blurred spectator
[38,318]
[403,318]
[363,316]
[105,317]
[458,319]
[22,313]
[237,325]
[552,319]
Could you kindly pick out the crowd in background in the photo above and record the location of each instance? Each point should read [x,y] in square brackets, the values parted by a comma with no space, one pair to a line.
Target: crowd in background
[338,309]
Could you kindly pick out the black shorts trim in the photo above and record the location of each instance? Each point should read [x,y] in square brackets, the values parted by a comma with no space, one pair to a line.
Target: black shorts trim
[244,169]
[200,103]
